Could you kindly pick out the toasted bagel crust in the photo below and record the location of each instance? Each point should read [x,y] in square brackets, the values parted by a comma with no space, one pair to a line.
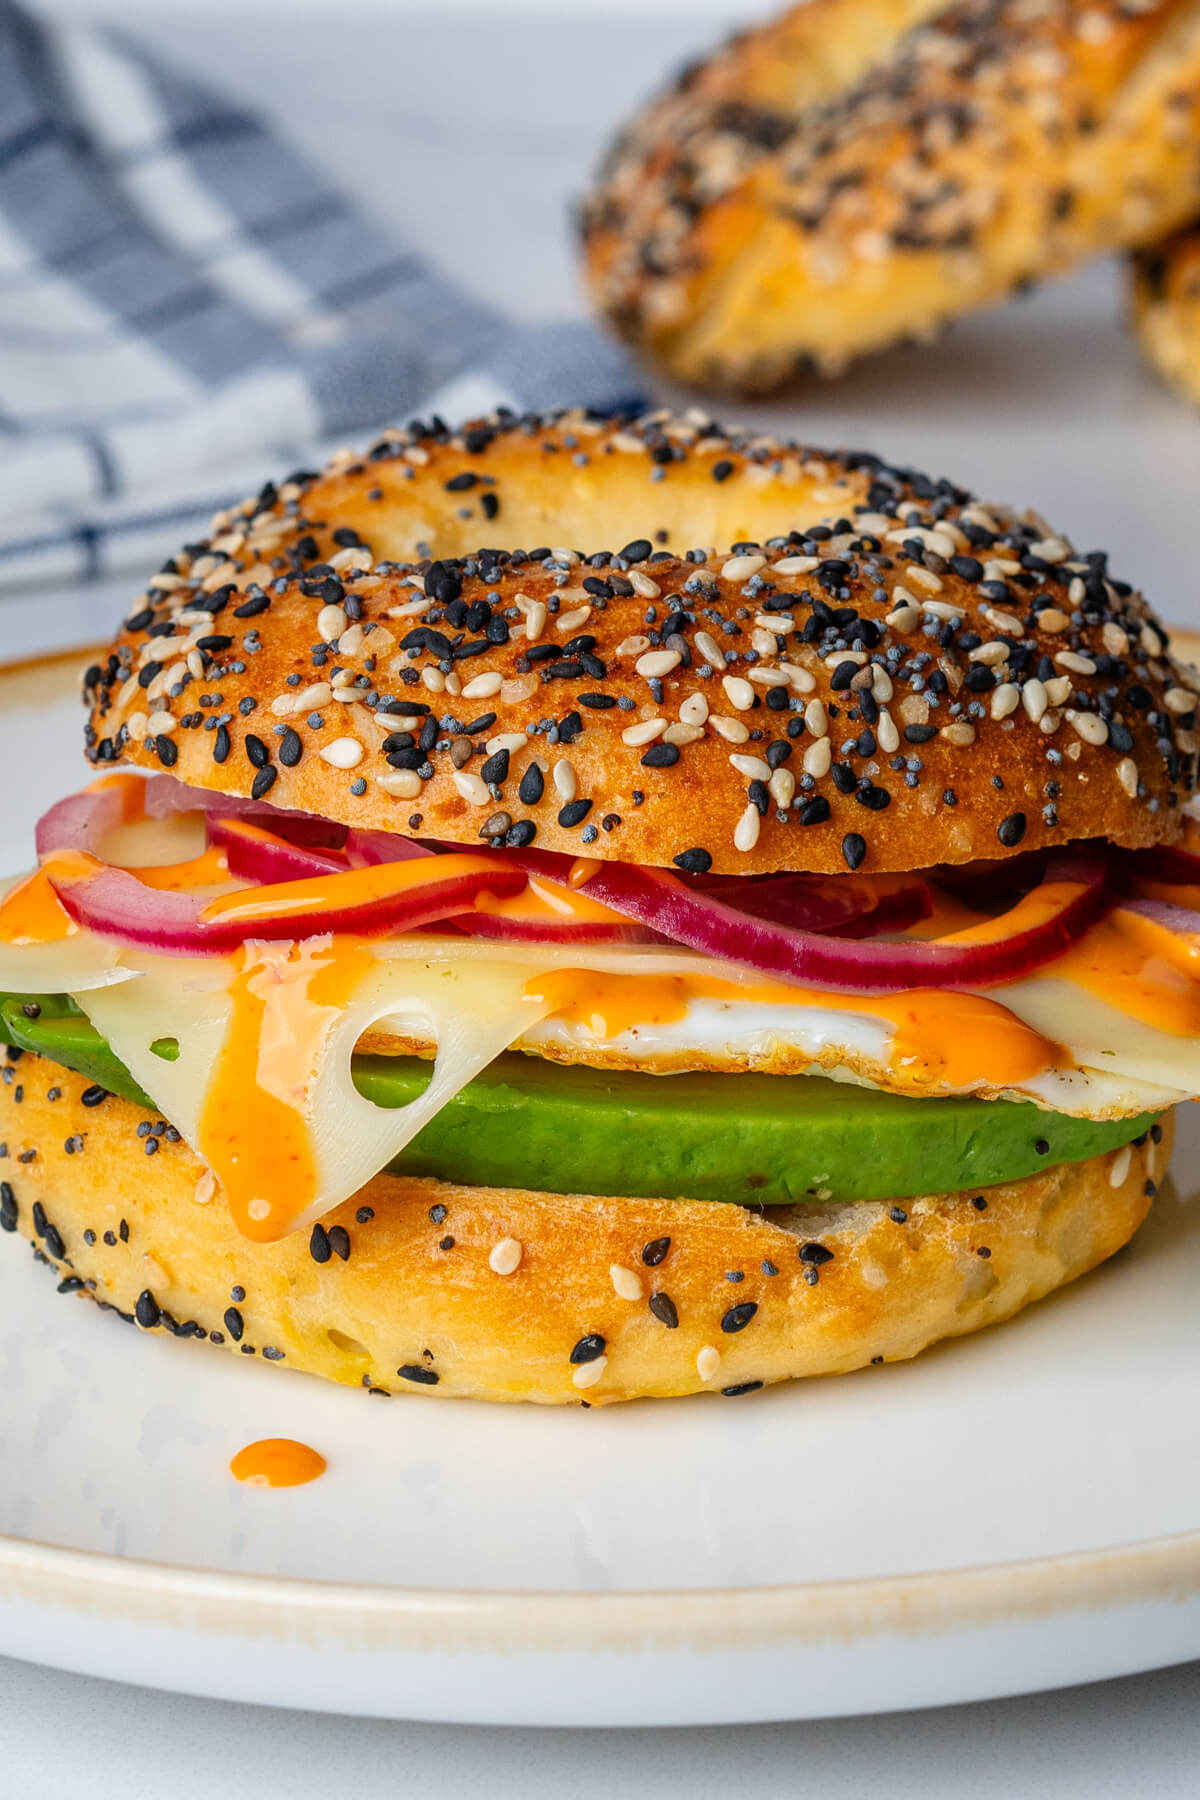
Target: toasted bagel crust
[854,175]
[908,678]
[1165,306]
[604,1299]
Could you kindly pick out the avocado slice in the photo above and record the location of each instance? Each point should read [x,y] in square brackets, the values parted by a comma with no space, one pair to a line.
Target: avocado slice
[756,1140]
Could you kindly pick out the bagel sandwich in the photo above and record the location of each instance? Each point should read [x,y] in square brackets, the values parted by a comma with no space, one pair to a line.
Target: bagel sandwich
[855,174]
[574,908]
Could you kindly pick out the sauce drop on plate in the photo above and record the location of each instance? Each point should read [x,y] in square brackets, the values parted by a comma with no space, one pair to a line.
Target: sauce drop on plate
[277,1462]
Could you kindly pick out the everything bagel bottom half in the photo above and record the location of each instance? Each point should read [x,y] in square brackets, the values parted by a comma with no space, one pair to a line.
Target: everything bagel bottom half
[416,1286]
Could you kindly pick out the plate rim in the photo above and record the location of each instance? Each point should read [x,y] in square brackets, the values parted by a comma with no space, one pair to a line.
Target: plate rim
[1154,1570]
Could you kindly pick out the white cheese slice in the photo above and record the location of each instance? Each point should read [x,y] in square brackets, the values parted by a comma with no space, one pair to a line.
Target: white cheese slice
[67,965]
[304,1059]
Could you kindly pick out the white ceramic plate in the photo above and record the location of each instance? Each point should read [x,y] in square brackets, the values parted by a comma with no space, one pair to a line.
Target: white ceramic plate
[1015,1511]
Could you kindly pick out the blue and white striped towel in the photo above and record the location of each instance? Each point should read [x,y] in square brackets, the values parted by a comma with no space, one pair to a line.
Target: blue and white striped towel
[186,306]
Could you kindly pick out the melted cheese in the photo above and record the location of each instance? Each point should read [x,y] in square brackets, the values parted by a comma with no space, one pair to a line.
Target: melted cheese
[262,1086]
[42,951]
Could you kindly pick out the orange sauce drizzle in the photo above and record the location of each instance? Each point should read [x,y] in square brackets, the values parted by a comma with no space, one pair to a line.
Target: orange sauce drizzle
[254,1132]
[32,913]
[209,869]
[1139,967]
[1041,904]
[546,902]
[1175,893]
[937,1034]
[316,894]
[277,1463]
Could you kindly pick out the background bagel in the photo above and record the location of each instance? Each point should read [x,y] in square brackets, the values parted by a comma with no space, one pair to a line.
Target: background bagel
[1165,308]
[837,182]
[909,677]
[416,1286]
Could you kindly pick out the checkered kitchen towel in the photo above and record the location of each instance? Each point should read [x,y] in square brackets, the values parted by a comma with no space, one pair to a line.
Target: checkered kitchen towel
[186,306]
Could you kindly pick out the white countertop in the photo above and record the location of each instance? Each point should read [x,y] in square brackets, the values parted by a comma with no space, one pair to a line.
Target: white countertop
[474,137]
[63,1736]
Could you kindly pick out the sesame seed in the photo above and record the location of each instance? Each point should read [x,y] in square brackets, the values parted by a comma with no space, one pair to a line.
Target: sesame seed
[745,835]
[783,788]
[752,767]
[740,568]
[342,753]
[903,618]
[625,1283]
[588,1374]
[732,730]
[472,788]
[147,1311]
[1082,665]
[1089,726]
[708,1361]
[482,687]
[504,1258]
[643,733]
[816,720]
[739,693]
[817,758]
[401,784]
[417,1373]
[657,663]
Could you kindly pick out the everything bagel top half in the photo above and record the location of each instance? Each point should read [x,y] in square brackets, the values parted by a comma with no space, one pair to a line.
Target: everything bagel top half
[724,653]
[856,173]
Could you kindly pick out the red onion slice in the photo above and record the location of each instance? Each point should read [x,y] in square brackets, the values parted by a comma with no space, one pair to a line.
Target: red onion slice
[546,918]
[1181,920]
[165,794]
[257,854]
[700,921]
[366,903]
[367,847]
[82,821]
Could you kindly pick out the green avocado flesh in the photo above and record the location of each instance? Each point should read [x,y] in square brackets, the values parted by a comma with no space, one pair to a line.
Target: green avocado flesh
[755,1140]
